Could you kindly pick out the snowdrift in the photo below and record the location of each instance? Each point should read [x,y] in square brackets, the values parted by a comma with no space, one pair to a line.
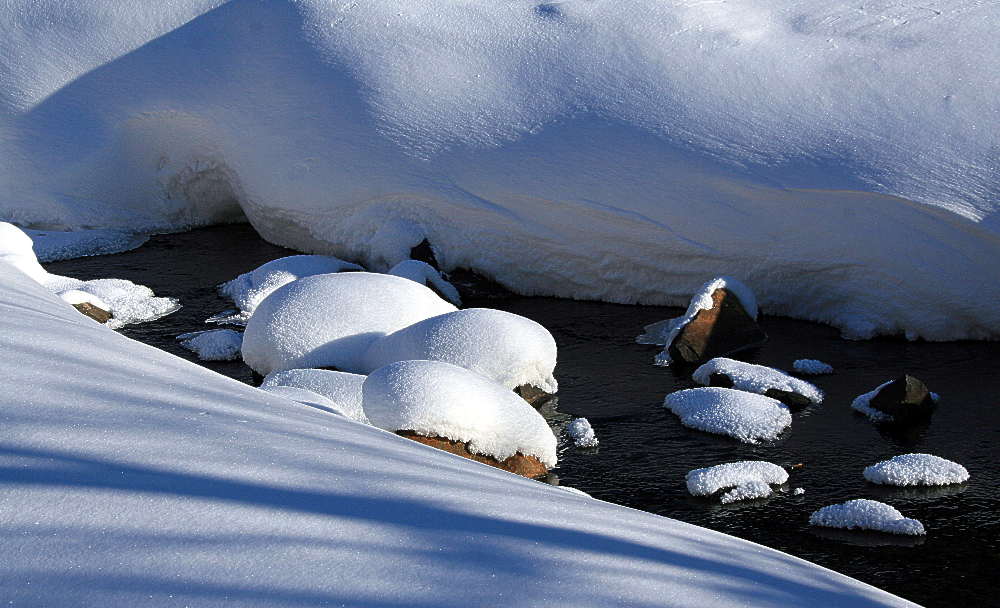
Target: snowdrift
[132,477]
[841,160]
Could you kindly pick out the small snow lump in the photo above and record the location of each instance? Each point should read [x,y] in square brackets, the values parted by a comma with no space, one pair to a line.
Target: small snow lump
[916,470]
[864,514]
[744,416]
[812,367]
[582,434]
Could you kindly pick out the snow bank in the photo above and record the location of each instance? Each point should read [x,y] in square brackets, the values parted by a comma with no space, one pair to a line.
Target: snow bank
[755,378]
[53,245]
[16,250]
[439,399]
[509,349]
[744,416]
[866,514]
[213,345]
[663,332]
[582,434]
[425,274]
[248,289]
[340,387]
[812,367]
[916,470]
[748,139]
[161,483]
[330,320]
[749,479]
[305,397]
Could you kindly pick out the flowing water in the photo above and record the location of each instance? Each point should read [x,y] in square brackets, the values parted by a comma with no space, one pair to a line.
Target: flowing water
[645,452]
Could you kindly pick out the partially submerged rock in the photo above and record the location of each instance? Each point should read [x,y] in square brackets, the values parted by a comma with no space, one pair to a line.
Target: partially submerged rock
[518,463]
[98,314]
[904,400]
[533,395]
[774,383]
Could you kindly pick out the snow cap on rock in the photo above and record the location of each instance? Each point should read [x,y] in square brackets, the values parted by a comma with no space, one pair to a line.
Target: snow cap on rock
[744,416]
[916,470]
[250,288]
[756,378]
[864,514]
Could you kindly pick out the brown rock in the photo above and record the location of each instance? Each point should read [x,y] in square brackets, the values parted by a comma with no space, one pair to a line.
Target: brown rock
[98,314]
[906,399]
[723,329]
[519,464]
[535,396]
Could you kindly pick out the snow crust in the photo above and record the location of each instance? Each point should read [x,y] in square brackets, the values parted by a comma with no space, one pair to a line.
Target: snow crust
[755,378]
[425,274]
[342,388]
[744,416]
[748,478]
[214,344]
[331,320]
[434,398]
[582,434]
[916,470]
[248,289]
[866,514]
[507,348]
[54,245]
[813,367]
[162,483]
[748,137]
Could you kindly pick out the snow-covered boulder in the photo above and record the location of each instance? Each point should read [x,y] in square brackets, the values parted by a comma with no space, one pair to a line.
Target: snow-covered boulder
[331,320]
[744,416]
[248,289]
[127,302]
[903,400]
[16,249]
[306,397]
[748,479]
[864,514]
[812,367]
[582,434]
[720,319]
[214,344]
[774,383]
[427,275]
[88,304]
[916,470]
[509,349]
[342,388]
[440,400]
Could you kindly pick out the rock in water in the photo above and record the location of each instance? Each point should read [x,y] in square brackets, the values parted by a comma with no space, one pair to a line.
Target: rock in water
[905,399]
[98,314]
[722,329]
[519,464]
[533,395]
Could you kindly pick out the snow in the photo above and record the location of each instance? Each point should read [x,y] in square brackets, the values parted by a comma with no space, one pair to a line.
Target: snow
[341,388]
[425,274]
[749,478]
[582,434]
[916,470]
[744,416]
[798,491]
[132,477]
[305,397]
[213,345]
[75,296]
[841,160]
[507,348]
[16,250]
[331,320]
[53,245]
[127,302]
[433,398]
[755,378]
[664,332]
[248,289]
[866,514]
[862,403]
[813,367]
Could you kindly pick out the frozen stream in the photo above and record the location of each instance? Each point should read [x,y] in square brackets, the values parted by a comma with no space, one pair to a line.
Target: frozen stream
[645,452]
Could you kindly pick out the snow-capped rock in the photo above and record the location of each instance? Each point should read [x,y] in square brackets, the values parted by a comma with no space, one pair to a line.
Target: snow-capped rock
[744,416]
[916,470]
[902,400]
[248,289]
[214,344]
[864,514]
[749,479]
[774,383]
[582,434]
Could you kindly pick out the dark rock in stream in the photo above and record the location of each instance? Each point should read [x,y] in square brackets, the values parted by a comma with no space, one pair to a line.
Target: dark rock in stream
[424,252]
[723,329]
[906,399]
[535,396]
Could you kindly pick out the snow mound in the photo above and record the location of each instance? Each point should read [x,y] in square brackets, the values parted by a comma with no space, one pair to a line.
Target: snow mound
[862,403]
[127,302]
[744,416]
[749,478]
[916,470]
[305,397]
[582,434]
[755,378]
[54,245]
[425,274]
[214,344]
[509,349]
[75,296]
[812,367]
[440,399]
[16,250]
[864,514]
[248,289]
[662,333]
[331,320]
[798,491]
[342,388]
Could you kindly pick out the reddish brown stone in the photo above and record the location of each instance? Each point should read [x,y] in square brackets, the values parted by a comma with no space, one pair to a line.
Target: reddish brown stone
[906,399]
[98,314]
[519,464]
[535,396]
[725,328]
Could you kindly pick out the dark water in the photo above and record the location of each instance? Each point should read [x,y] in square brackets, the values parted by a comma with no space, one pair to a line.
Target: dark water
[645,452]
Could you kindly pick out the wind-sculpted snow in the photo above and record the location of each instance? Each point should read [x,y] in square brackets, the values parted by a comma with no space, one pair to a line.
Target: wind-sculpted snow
[342,388]
[841,159]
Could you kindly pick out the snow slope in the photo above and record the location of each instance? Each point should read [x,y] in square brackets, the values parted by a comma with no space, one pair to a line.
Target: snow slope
[132,477]
[840,158]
